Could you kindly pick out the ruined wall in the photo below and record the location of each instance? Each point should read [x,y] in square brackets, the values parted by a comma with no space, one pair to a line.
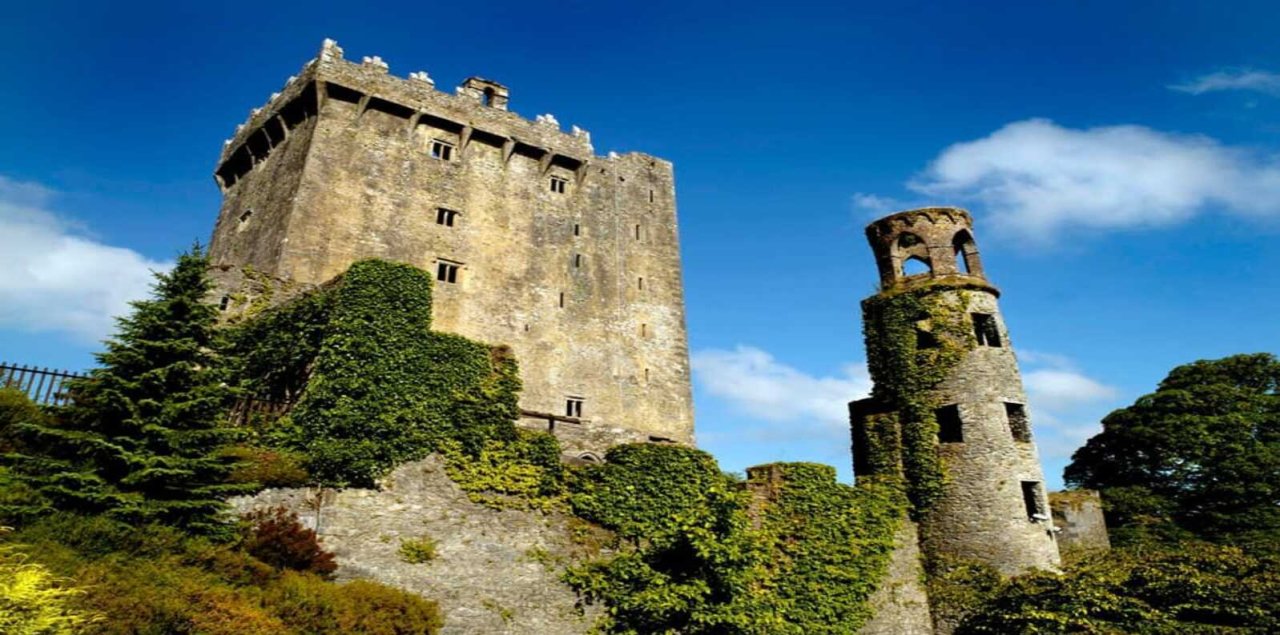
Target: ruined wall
[584,284]
[1078,516]
[495,571]
[901,604]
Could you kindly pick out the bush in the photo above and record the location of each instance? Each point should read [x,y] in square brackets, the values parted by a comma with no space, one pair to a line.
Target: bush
[16,409]
[266,468]
[524,473]
[275,537]
[312,606]
[33,602]
[418,550]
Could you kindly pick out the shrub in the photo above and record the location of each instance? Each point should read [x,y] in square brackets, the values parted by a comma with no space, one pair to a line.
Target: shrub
[418,550]
[315,607]
[522,473]
[266,468]
[33,602]
[16,409]
[277,538]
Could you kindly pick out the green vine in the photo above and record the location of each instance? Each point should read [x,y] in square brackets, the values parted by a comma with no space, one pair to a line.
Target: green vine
[915,337]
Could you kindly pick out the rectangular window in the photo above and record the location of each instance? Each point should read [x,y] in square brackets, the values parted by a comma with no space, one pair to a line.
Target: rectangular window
[925,339]
[950,429]
[573,407]
[441,150]
[558,185]
[446,217]
[577,260]
[562,299]
[1019,425]
[577,229]
[224,303]
[447,271]
[1032,500]
[640,283]
[637,232]
[986,329]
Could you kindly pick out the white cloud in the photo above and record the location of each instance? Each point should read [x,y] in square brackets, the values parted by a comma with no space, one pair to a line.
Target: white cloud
[1064,402]
[1035,177]
[875,205]
[1242,79]
[54,277]
[762,388]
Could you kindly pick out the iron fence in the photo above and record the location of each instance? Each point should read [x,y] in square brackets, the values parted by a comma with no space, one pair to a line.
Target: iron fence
[43,386]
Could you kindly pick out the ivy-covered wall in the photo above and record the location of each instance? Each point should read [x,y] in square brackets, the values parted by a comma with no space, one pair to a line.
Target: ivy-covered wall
[374,386]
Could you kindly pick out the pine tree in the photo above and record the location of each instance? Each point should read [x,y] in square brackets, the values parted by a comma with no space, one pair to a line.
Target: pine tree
[140,440]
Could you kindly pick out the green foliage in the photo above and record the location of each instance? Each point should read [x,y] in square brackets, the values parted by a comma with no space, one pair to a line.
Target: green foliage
[266,468]
[380,387]
[1181,588]
[418,550]
[16,409]
[696,564]
[524,473]
[906,374]
[821,534]
[641,487]
[34,602]
[154,580]
[276,537]
[1201,455]
[140,440]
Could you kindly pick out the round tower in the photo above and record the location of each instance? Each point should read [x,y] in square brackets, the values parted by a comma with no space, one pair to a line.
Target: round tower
[948,412]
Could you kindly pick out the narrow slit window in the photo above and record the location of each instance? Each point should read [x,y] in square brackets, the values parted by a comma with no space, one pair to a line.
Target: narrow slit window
[637,232]
[646,375]
[224,303]
[577,260]
[441,150]
[986,330]
[447,271]
[562,299]
[446,217]
[1019,425]
[577,229]
[950,428]
[558,185]
[644,330]
[573,407]
[640,284]
[650,196]
[1032,500]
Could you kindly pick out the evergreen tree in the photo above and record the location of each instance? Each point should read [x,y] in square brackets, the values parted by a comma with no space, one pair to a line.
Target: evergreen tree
[140,440]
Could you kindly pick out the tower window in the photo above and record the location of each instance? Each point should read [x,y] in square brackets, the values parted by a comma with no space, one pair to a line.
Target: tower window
[640,284]
[650,196]
[447,271]
[577,229]
[446,217]
[986,330]
[226,301]
[573,407]
[562,299]
[244,218]
[637,232]
[558,184]
[925,339]
[1032,500]
[1019,425]
[644,330]
[949,425]
[442,150]
[577,260]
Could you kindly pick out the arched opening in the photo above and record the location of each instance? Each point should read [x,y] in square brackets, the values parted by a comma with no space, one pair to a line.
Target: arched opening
[915,266]
[908,239]
[488,96]
[590,457]
[966,252]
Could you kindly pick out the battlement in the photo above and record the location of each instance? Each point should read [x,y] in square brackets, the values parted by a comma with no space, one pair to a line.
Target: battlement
[923,246]
[477,110]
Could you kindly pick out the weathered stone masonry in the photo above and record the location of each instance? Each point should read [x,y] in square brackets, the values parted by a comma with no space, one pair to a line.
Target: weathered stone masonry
[571,259]
[992,507]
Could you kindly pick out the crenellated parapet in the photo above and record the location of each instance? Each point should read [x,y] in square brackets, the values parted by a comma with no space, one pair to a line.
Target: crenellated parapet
[477,109]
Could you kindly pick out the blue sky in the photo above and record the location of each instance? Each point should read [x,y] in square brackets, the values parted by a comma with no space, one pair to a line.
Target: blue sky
[1120,159]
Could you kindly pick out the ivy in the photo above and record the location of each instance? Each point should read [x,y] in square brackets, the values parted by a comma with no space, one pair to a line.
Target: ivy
[897,325]
[821,534]
[375,387]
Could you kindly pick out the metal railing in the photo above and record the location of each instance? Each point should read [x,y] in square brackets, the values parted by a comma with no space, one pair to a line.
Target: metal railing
[43,386]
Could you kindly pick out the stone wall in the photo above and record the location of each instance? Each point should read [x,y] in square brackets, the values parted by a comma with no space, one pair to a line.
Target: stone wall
[584,285]
[901,603]
[1081,524]
[496,571]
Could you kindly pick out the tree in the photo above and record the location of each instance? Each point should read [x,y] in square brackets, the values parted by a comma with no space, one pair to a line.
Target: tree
[140,441]
[1201,455]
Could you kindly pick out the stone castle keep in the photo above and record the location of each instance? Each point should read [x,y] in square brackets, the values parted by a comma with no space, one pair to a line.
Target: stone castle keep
[571,259]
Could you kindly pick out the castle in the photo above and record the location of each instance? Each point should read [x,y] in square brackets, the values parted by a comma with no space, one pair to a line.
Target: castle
[535,242]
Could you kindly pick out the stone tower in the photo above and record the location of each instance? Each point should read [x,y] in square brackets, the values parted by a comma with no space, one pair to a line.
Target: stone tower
[948,411]
[570,258]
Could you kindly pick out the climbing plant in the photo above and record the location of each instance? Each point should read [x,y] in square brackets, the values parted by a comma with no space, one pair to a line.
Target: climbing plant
[915,337]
